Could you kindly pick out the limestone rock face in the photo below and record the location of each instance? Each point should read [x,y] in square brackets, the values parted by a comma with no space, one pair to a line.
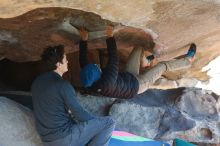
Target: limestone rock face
[17,125]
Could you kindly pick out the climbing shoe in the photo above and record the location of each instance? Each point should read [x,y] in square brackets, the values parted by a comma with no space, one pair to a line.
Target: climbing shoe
[150,58]
[192,51]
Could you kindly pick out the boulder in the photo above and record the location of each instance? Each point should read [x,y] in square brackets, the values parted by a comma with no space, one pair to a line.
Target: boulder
[17,125]
[187,113]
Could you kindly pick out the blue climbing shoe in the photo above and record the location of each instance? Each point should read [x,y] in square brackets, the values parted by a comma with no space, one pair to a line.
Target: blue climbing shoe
[192,51]
[150,58]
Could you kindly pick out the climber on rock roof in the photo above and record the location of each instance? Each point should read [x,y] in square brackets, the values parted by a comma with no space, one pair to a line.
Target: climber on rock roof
[113,83]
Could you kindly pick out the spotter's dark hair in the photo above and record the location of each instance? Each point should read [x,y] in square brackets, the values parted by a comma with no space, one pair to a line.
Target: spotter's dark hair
[52,55]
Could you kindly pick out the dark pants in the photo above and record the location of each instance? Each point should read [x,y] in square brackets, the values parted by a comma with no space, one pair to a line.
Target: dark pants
[95,132]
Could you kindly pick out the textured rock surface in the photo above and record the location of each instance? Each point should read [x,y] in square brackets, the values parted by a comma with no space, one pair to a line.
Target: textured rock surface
[54,26]
[23,32]
[191,114]
[17,125]
[137,119]
[26,27]
[96,105]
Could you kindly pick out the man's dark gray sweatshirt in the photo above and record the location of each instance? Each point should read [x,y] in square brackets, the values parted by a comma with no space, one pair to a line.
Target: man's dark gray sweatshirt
[52,96]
